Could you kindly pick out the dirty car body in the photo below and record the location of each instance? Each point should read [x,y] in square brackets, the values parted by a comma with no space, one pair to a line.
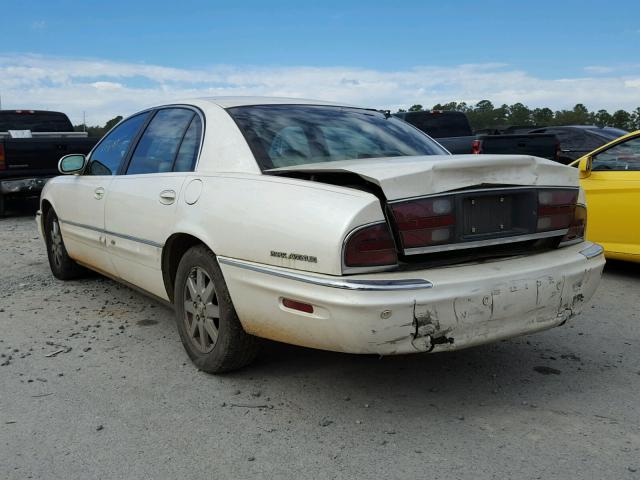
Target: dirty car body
[340,228]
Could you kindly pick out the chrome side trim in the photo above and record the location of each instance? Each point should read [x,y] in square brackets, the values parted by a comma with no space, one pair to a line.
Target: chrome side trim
[485,243]
[592,250]
[340,282]
[115,234]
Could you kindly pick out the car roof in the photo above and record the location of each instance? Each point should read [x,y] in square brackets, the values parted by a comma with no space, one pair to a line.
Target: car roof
[229,102]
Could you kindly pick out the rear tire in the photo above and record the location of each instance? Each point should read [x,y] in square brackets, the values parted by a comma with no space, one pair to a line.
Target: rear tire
[62,265]
[207,321]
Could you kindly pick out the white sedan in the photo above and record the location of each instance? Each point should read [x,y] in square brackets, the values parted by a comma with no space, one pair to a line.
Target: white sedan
[320,225]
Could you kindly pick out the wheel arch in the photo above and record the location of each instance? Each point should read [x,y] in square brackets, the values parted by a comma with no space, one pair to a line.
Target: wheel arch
[172,251]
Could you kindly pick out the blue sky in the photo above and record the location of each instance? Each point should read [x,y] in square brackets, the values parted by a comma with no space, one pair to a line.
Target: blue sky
[234,46]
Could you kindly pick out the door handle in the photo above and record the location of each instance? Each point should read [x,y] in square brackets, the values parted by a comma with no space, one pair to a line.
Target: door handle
[167,197]
[98,193]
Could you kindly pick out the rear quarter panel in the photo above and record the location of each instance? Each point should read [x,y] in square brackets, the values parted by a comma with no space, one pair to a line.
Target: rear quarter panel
[248,217]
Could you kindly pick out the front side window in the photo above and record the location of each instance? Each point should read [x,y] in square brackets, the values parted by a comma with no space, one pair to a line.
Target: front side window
[159,144]
[108,155]
[621,157]
[289,135]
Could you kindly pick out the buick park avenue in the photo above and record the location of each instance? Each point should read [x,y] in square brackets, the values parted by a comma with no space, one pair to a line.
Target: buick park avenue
[321,225]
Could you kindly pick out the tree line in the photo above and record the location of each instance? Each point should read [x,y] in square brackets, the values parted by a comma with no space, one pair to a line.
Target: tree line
[484,115]
[97,131]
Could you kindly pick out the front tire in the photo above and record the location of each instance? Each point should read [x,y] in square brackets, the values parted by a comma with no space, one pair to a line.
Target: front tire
[62,265]
[207,321]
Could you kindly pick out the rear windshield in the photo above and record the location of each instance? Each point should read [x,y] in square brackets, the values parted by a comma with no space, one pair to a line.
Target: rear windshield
[608,133]
[34,121]
[440,124]
[289,135]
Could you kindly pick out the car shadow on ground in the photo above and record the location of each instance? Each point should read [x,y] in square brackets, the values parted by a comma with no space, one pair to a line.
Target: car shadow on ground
[628,270]
[21,207]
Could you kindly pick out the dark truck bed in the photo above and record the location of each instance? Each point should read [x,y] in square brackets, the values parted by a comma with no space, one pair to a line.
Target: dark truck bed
[27,163]
[453,131]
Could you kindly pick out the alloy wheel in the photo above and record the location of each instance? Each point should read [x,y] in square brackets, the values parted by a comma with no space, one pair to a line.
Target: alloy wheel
[201,310]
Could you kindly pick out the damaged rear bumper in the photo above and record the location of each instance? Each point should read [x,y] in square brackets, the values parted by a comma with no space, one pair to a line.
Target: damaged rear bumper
[23,186]
[403,312]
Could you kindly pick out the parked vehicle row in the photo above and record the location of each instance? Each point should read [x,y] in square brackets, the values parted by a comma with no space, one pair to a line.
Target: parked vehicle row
[320,225]
[578,140]
[453,131]
[31,143]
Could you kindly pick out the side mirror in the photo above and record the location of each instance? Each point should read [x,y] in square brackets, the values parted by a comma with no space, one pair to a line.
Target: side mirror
[72,164]
[584,166]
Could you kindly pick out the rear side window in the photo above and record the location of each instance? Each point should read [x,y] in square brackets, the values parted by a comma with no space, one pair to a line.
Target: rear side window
[159,144]
[107,156]
[188,153]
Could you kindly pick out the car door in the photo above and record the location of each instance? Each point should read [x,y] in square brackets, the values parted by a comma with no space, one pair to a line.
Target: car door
[141,206]
[613,198]
[80,199]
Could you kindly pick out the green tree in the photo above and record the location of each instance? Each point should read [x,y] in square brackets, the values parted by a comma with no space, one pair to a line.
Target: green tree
[603,118]
[542,116]
[112,123]
[519,114]
[416,108]
[621,119]
[635,119]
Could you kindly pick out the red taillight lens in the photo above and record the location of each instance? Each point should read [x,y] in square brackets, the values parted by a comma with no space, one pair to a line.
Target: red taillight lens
[476,147]
[370,246]
[556,209]
[425,222]
[3,162]
[578,225]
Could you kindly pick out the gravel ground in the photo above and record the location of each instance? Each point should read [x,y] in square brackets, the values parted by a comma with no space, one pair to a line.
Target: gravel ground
[94,383]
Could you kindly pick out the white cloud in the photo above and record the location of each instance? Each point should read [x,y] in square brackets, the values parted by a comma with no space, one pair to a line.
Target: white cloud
[38,25]
[105,88]
[598,69]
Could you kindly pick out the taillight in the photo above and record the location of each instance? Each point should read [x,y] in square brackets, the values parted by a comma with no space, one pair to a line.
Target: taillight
[3,162]
[578,225]
[476,147]
[370,246]
[556,209]
[425,222]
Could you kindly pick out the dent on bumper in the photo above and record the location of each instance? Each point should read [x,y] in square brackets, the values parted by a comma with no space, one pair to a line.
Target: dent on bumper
[466,305]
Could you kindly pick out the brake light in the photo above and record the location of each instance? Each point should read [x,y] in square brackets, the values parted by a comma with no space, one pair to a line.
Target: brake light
[556,209]
[370,246]
[3,161]
[578,225]
[425,222]
[476,147]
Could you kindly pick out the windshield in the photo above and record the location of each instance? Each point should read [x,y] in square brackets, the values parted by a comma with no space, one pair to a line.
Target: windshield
[289,135]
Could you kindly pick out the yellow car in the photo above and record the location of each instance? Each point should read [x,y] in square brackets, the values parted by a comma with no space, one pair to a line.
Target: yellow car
[610,177]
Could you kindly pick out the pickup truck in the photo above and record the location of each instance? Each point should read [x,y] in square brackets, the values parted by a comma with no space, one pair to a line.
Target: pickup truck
[31,143]
[453,131]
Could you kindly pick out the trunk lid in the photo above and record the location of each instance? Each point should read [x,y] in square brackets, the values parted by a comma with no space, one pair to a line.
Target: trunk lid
[406,177]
